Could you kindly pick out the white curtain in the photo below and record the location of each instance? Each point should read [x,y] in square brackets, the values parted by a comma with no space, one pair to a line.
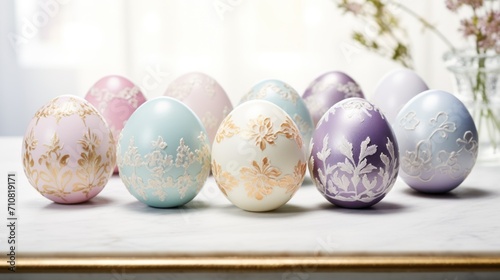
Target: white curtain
[64,46]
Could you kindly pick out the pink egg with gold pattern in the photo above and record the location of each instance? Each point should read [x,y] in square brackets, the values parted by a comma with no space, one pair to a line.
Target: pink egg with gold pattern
[205,96]
[68,150]
[116,98]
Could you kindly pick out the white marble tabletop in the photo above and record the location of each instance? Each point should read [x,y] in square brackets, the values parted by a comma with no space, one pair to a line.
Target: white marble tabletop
[467,220]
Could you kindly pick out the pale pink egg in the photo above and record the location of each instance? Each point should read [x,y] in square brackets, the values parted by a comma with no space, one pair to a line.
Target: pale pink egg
[116,98]
[68,150]
[205,96]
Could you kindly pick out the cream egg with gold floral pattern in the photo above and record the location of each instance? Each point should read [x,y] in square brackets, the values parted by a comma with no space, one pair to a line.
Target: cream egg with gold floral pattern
[258,157]
[287,98]
[68,150]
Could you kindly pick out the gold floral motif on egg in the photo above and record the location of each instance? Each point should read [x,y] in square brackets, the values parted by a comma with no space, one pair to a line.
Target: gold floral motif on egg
[203,156]
[224,179]
[70,107]
[227,129]
[291,132]
[261,131]
[30,144]
[55,176]
[292,182]
[92,169]
[260,179]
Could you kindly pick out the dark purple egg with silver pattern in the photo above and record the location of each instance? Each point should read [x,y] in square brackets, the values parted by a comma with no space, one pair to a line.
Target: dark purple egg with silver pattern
[328,89]
[354,160]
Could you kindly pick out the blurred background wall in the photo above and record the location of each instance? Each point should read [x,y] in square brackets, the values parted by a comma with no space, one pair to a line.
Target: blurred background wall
[54,47]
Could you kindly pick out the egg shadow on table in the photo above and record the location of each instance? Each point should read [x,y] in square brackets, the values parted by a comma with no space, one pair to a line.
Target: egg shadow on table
[380,208]
[461,192]
[98,201]
[287,210]
[308,182]
[190,207]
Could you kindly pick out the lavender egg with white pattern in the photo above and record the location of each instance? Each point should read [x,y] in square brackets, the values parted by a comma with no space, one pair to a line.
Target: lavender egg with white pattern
[328,89]
[438,142]
[354,158]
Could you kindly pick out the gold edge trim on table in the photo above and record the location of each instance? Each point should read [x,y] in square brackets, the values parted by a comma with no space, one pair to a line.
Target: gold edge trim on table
[30,263]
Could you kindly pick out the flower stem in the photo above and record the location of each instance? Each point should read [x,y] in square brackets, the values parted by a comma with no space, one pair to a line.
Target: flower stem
[424,22]
[480,95]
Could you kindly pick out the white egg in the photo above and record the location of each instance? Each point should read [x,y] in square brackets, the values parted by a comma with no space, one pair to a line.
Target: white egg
[395,89]
[258,156]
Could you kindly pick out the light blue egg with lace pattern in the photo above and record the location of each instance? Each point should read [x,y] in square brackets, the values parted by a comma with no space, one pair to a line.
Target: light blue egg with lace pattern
[163,153]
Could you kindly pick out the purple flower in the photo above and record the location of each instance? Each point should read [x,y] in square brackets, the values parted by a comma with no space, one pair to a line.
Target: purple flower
[475,4]
[479,23]
[351,6]
[489,30]
[483,26]
[354,8]
[468,28]
[454,5]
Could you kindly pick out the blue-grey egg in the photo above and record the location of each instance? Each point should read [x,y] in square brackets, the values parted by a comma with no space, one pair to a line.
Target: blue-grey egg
[438,142]
[163,153]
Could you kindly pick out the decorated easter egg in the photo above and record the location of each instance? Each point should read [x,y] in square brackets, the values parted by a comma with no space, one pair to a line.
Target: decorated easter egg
[68,150]
[163,153]
[286,98]
[116,98]
[354,154]
[204,96]
[438,142]
[328,89]
[258,157]
[395,89]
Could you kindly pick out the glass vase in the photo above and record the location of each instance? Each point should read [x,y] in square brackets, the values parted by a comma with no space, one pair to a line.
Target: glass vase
[476,80]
